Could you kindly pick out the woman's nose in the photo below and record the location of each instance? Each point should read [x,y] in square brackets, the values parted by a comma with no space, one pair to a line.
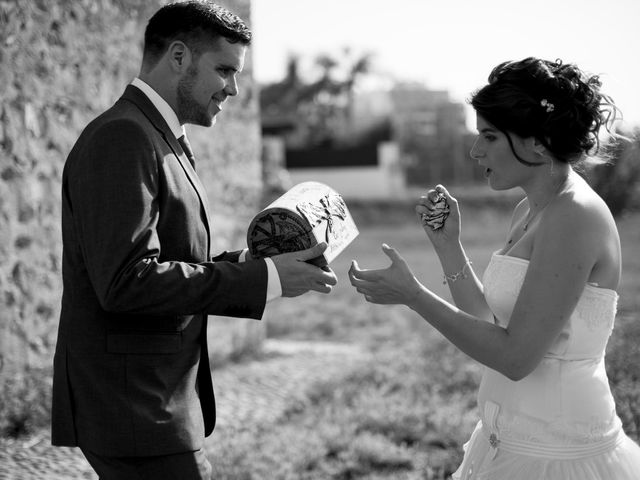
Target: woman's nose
[474,153]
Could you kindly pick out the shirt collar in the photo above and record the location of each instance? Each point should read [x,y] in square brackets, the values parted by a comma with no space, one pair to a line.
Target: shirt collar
[162,106]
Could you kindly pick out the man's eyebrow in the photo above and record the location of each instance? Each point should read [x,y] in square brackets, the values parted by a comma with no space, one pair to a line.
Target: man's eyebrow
[487,129]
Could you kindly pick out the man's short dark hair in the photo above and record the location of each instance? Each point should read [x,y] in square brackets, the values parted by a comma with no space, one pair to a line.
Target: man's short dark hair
[197,23]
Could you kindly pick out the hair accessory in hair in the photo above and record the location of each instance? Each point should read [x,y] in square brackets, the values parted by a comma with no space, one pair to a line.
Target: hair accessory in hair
[548,105]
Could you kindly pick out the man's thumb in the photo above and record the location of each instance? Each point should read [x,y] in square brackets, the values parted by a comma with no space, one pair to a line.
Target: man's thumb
[312,252]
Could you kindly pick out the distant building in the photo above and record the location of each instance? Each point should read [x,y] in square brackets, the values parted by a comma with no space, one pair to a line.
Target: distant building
[430,129]
[371,145]
[370,171]
[310,132]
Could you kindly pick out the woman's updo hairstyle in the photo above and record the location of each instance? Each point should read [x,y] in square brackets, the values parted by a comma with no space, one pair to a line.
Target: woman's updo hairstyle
[556,103]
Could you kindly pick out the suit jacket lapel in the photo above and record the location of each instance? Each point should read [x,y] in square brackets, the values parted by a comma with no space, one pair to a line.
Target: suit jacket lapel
[193,177]
[137,97]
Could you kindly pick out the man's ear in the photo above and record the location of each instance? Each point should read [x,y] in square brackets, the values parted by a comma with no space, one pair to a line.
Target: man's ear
[179,56]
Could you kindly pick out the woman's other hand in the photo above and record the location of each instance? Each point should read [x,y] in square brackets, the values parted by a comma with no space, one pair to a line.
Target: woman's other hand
[393,285]
[449,233]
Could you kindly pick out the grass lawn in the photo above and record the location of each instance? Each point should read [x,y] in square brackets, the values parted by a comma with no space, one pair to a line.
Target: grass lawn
[406,414]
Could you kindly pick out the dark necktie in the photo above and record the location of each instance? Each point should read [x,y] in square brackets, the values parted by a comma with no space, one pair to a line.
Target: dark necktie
[186,147]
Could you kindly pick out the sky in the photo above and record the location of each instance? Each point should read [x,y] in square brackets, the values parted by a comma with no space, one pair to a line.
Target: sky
[453,44]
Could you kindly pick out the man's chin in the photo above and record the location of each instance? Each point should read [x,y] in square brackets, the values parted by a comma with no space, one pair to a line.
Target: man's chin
[208,120]
[203,121]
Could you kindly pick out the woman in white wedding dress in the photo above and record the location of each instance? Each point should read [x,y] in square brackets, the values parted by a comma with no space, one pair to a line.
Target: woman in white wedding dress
[541,317]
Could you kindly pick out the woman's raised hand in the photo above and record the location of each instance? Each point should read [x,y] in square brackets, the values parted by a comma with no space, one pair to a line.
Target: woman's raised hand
[393,285]
[429,204]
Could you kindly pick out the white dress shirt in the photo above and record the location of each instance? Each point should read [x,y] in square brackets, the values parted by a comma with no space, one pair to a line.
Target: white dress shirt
[274,289]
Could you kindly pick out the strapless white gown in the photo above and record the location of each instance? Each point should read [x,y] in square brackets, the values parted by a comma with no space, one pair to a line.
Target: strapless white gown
[559,422]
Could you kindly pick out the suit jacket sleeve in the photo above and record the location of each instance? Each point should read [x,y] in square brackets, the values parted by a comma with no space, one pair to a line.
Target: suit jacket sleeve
[227,256]
[119,196]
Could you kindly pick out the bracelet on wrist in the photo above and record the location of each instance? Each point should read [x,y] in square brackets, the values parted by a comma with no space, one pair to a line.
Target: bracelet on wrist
[458,275]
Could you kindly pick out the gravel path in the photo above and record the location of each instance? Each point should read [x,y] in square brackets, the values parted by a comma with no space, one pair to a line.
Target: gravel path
[254,392]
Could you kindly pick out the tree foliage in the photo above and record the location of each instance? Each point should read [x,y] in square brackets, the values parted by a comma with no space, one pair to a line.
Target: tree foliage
[618,180]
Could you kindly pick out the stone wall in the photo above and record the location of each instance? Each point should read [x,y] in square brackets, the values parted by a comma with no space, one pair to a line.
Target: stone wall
[230,168]
[61,64]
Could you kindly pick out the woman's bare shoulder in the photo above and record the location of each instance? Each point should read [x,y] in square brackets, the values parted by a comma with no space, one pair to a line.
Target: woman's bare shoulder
[581,207]
[579,221]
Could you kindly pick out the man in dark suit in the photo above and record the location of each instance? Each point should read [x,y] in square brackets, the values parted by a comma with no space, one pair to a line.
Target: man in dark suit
[132,385]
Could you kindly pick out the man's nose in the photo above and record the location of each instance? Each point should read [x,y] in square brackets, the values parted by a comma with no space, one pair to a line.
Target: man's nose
[231,88]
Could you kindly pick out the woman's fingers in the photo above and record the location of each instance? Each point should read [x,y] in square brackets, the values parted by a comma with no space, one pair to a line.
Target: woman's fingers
[370,288]
[428,201]
[442,190]
[431,204]
[397,261]
[393,254]
[356,273]
[361,286]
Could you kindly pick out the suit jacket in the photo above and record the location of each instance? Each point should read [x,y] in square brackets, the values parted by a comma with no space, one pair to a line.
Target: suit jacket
[131,371]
